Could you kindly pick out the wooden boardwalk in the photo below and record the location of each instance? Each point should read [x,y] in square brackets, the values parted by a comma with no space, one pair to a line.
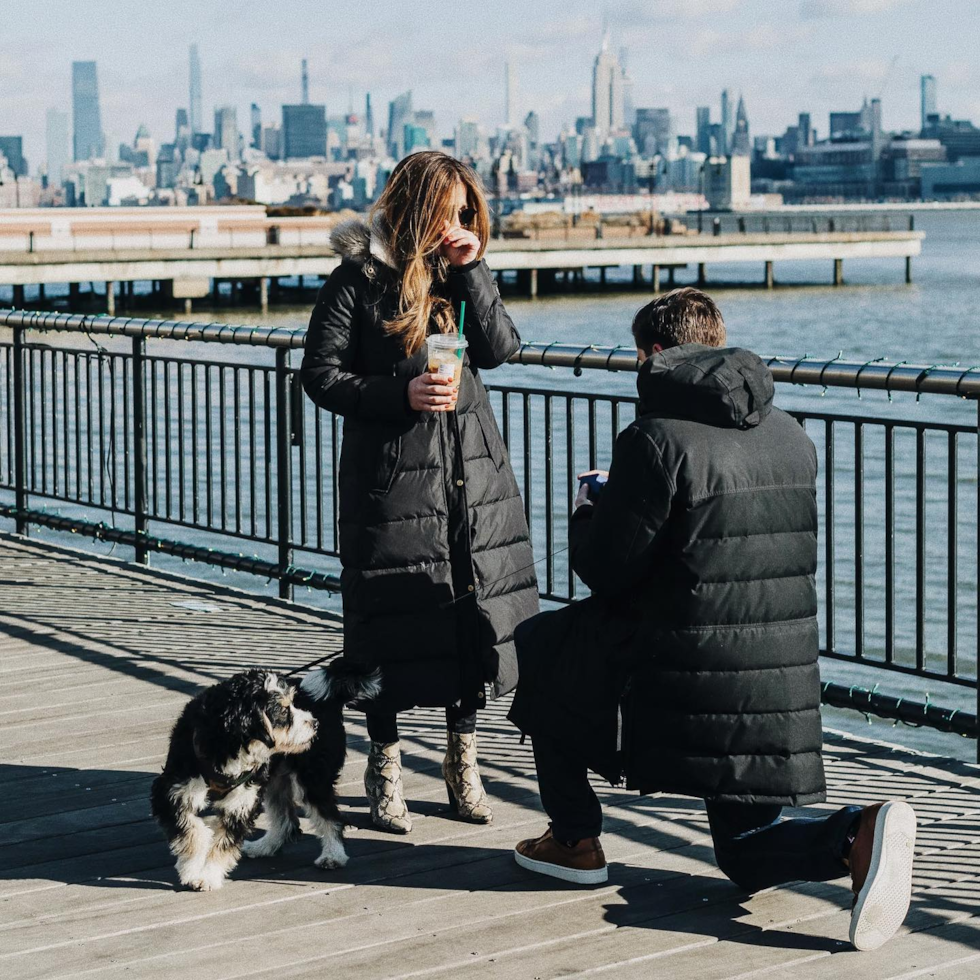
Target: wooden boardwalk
[97,658]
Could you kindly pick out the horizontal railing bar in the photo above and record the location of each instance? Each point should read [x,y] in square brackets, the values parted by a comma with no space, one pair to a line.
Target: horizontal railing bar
[879,375]
[924,673]
[918,713]
[178,549]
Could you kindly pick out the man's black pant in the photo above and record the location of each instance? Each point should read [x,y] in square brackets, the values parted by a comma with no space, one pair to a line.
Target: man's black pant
[752,845]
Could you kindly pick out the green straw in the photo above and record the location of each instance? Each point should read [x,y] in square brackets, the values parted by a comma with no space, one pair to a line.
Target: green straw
[462,314]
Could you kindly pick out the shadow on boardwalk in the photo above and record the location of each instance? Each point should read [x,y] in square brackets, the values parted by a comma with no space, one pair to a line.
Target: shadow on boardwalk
[96,661]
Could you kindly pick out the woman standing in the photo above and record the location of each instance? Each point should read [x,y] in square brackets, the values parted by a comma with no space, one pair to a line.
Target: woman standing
[437,566]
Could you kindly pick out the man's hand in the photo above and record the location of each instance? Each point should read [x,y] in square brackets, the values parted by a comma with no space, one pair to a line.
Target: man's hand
[430,393]
[583,498]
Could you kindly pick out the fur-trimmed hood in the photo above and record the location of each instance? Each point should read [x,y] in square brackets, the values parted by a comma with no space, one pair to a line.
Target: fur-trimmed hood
[354,239]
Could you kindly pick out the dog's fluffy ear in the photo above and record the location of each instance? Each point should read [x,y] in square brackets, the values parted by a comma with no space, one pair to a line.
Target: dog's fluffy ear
[260,728]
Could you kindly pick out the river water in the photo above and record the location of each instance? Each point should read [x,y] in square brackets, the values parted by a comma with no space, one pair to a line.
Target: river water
[935,320]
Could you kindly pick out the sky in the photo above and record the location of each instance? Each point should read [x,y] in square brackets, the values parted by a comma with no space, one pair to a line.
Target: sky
[784,56]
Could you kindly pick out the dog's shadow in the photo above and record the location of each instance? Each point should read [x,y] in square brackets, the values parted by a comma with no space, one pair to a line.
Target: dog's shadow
[92,827]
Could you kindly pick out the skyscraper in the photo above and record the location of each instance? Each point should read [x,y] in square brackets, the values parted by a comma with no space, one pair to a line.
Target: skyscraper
[727,124]
[57,145]
[197,119]
[256,121]
[929,105]
[806,135]
[226,130]
[368,115]
[629,105]
[304,131]
[702,139]
[305,81]
[607,91]
[12,149]
[399,113]
[86,117]
[741,143]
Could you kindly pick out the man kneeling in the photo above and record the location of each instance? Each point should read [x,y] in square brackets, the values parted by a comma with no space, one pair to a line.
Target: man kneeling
[701,552]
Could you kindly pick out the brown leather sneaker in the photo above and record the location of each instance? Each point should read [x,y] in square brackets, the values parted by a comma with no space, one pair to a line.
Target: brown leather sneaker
[881,872]
[583,864]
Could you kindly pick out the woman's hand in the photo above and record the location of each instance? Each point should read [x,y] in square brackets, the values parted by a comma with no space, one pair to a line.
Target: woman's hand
[430,393]
[459,246]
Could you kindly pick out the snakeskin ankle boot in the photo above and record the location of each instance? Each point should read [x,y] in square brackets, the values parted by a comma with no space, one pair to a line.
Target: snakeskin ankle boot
[383,786]
[462,774]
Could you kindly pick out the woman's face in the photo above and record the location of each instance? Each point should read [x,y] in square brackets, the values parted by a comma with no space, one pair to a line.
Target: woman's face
[460,204]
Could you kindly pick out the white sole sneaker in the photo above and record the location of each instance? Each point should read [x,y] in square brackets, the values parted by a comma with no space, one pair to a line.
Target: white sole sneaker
[578,877]
[883,902]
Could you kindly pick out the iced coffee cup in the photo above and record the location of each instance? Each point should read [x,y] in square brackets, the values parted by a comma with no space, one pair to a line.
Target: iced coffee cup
[445,353]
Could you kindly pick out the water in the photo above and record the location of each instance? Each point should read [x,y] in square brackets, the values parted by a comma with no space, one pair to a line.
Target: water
[934,320]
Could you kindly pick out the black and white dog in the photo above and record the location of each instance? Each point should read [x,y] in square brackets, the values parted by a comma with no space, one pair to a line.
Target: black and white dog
[248,732]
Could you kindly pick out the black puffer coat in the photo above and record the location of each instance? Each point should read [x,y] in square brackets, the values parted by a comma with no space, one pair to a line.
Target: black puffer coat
[701,554]
[437,565]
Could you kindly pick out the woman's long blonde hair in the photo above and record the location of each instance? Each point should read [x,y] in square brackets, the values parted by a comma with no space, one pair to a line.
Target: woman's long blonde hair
[416,201]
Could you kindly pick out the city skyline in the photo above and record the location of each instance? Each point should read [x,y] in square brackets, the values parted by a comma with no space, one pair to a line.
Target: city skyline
[691,59]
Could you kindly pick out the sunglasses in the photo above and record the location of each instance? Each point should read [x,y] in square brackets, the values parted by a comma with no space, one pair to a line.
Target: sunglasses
[466,216]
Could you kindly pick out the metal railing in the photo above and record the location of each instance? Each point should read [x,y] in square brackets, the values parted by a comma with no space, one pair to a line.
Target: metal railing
[128,444]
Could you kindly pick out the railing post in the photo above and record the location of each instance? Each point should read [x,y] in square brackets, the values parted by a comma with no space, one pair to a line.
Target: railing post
[284,476]
[20,441]
[140,494]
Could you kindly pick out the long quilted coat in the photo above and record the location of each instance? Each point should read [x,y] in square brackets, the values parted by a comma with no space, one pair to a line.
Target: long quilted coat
[701,554]
[437,564]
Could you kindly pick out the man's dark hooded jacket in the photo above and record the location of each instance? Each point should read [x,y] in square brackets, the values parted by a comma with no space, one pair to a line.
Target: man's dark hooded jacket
[701,554]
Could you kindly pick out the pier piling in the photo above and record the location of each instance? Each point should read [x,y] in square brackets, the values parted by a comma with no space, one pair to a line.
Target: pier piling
[838,272]
[655,278]
[769,276]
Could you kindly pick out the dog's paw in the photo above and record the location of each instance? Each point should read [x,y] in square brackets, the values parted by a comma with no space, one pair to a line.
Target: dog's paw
[261,847]
[198,885]
[332,861]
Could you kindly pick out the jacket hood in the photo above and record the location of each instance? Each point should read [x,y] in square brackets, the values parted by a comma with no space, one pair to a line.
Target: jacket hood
[354,239]
[725,387]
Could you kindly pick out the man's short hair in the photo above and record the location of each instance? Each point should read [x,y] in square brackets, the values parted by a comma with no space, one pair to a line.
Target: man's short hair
[682,316]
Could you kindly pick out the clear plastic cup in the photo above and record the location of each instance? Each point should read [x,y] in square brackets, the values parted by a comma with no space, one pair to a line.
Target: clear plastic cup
[445,352]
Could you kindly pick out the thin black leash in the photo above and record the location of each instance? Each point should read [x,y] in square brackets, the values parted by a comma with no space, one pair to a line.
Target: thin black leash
[445,605]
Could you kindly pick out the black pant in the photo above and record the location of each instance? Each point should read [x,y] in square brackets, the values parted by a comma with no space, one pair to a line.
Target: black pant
[752,845]
[384,727]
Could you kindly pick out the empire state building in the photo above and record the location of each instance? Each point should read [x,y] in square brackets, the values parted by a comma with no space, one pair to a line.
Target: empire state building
[607,91]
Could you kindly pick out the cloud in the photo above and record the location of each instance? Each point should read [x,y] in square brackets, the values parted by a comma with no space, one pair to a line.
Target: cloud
[820,9]
[761,37]
[634,15]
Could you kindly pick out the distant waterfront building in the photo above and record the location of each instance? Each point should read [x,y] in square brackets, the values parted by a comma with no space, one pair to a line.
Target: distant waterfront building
[727,124]
[510,93]
[806,135]
[182,130]
[197,117]
[305,84]
[399,113]
[89,141]
[960,137]
[467,139]
[629,105]
[653,131]
[844,168]
[944,181]
[702,139]
[727,182]
[256,127]
[368,116]
[426,118]
[607,92]
[304,131]
[271,144]
[415,137]
[741,141]
[58,152]
[928,103]
[226,130]
[12,147]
